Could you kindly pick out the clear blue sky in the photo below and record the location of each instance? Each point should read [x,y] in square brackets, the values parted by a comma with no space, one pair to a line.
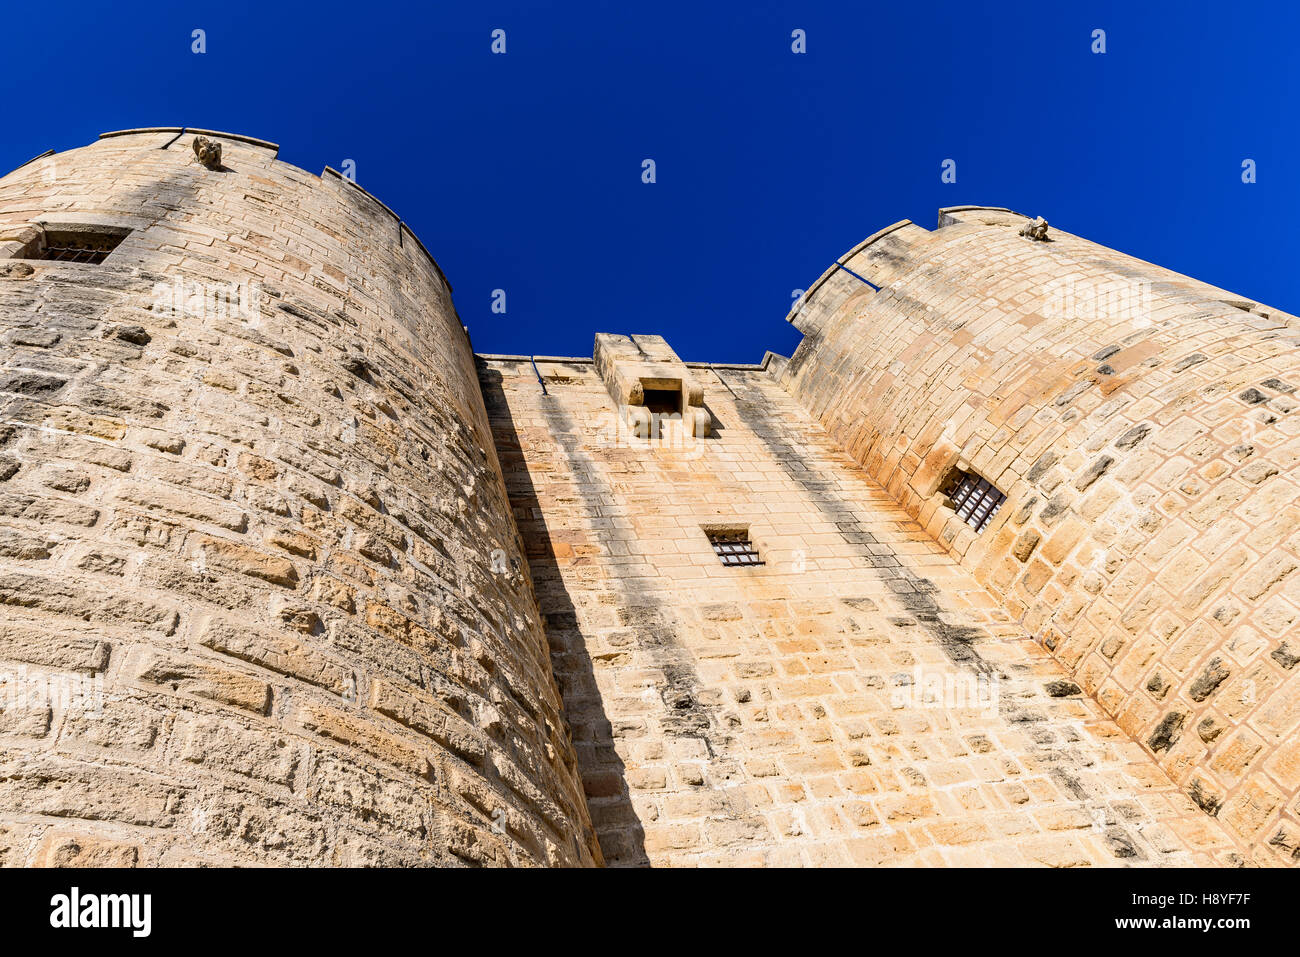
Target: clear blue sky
[523,171]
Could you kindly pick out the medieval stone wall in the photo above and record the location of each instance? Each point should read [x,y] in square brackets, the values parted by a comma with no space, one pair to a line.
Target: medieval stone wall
[266,529]
[252,516]
[857,699]
[1143,427]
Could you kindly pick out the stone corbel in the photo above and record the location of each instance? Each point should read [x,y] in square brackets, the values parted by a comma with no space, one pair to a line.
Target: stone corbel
[646,378]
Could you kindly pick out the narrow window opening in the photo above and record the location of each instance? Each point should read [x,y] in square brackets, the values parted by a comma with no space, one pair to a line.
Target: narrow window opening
[663,401]
[733,547]
[662,396]
[974,499]
[75,244]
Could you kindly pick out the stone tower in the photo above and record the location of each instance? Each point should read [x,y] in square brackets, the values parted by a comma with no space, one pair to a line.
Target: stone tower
[255,534]
[1143,428]
[999,568]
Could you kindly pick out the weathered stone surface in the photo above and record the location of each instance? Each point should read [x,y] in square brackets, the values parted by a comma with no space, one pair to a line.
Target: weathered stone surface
[1183,490]
[822,708]
[346,595]
[60,849]
[198,506]
[186,677]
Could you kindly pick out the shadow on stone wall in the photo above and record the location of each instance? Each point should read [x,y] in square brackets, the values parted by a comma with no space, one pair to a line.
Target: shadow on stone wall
[604,779]
[1049,748]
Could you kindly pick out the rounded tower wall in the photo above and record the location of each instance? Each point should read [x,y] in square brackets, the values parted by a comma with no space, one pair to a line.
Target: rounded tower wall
[252,514]
[1144,429]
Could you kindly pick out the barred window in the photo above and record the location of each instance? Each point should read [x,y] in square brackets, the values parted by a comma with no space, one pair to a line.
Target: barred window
[734,547]
[974,499]
[75,244]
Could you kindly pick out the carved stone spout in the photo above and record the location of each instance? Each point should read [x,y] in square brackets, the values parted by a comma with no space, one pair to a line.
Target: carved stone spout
[1036,230]
[208,152]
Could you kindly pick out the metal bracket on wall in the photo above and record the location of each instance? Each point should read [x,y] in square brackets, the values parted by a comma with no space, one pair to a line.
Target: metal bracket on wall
[867,282]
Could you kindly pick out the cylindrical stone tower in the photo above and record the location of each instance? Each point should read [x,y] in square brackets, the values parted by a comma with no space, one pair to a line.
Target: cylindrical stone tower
[262,599]
[1144,429]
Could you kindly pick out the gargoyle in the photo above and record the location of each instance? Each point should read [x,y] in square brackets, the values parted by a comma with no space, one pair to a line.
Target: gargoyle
[208,152]
[1035,230]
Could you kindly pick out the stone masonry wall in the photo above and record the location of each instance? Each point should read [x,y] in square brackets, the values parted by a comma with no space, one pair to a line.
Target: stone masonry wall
[266,540]
[1144,429]
[858,699]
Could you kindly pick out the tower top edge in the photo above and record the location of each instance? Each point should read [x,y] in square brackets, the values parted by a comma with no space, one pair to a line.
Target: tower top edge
[274,148]
[239,137]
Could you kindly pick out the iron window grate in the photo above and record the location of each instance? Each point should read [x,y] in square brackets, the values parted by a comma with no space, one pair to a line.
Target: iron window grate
[974,499]
[73,254]
[76,244]
[734,548]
